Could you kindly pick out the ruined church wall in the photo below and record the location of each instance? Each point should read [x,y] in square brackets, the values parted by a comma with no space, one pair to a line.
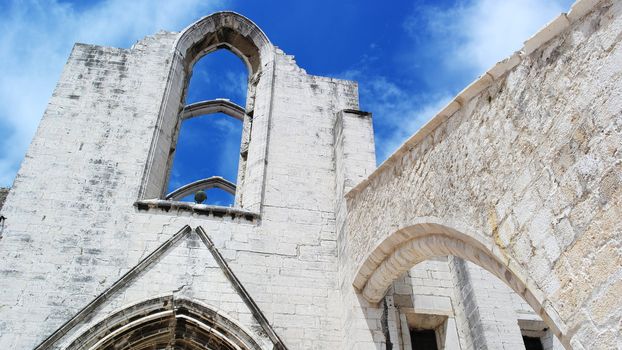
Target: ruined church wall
[73,229]
[532,163]
[68,234]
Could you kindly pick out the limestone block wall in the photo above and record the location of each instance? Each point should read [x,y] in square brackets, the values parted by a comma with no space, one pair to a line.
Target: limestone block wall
[490,315]
[526,163]
[68,230]
[3,193]
[427,291]
[467,306]
[77,220]
[185,270]
[361,324]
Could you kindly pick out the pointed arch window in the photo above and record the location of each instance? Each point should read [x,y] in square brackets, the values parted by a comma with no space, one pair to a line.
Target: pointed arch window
[208,147]
[240,36]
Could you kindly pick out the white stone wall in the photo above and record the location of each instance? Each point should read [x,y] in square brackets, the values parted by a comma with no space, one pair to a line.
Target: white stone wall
[543,141]
[481,311]
[490,310]
[428,289]
[529,167]
[73,229]
[360,324]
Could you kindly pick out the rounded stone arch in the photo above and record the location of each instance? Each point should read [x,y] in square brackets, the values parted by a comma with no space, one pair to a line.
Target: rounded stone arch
[163,322]
[410,245]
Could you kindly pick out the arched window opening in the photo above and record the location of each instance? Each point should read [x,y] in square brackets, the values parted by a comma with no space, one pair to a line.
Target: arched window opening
[238,36]
[209,141]
[167,322]
[219,74]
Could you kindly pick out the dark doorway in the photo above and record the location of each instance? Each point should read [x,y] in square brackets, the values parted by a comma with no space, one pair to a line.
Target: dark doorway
[532,343]
[423,339]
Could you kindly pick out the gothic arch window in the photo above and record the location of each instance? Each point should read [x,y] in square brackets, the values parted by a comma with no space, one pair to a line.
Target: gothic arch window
[208,146]
[240,36]
[167,322]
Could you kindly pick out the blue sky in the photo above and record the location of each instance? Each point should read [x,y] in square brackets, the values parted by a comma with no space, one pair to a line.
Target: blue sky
[409,58]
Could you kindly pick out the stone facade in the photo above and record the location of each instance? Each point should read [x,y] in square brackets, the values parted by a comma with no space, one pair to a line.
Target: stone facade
[322,250]
[521,175]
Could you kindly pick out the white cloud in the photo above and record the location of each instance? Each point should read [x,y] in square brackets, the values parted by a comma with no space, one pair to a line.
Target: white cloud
[474,35]
[414,117]
[459,42]
[397,112]
[37,37]
[234,84]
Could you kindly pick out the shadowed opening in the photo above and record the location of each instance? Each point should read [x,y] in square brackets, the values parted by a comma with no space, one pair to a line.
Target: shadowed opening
[165,323]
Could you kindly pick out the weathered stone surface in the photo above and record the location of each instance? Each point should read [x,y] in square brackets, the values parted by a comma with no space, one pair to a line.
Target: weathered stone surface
[520,174]
[3,193]
[526,175]
[105,124]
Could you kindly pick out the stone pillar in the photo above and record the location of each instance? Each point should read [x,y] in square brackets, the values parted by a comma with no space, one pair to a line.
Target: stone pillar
[355,159]
[487,308]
